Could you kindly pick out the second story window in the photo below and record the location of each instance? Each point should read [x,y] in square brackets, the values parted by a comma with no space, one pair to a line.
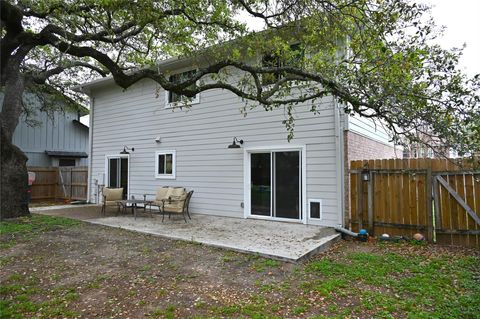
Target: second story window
[173,98]
[292,58]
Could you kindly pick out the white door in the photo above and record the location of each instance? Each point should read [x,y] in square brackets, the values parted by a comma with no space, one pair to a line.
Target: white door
[117,172]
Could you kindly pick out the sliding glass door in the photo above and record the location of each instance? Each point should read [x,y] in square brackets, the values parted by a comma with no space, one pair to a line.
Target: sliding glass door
[261,189]
[117,172]
[276,184]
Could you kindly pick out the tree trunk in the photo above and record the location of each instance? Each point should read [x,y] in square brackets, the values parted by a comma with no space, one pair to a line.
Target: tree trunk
[13,162]
[13,180]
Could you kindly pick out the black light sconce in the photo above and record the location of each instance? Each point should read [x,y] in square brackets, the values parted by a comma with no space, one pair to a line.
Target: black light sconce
[234,144]
[126,149]
[365,174]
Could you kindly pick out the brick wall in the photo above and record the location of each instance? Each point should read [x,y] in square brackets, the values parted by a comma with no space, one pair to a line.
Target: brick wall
[358,147]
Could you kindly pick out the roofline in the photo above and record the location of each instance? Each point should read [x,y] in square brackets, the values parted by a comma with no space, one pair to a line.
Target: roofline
[86,87]
[81,124]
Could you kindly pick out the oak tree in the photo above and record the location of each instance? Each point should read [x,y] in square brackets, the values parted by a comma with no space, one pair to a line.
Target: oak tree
[375,57]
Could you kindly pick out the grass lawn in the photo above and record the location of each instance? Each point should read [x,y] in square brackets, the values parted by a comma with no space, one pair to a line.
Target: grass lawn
[55,268]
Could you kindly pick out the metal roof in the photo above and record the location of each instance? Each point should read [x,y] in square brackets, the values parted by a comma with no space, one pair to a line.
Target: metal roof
[66,154]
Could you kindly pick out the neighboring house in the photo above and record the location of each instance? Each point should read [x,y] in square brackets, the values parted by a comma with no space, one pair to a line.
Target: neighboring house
[56,139]
[429,148]
[266,177]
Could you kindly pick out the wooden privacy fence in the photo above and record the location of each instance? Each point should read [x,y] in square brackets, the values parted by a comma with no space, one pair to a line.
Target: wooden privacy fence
[59,183]
[439,198]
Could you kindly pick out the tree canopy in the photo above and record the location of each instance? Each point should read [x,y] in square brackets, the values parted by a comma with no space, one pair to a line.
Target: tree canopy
[376,57]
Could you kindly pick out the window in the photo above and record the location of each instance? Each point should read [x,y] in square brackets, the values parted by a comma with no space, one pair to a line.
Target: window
[66,162]
[174,99]
[165,163]
[294,58]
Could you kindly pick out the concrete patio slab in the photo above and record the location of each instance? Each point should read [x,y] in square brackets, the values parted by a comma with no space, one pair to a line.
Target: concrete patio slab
[279,240]
[54,207]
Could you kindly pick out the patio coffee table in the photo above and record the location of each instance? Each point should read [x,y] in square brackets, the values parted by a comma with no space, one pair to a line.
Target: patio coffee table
[134,205]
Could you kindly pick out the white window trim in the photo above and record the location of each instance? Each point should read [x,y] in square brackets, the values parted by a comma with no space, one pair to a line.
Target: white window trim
[170,105]
[312,200]
[174,164]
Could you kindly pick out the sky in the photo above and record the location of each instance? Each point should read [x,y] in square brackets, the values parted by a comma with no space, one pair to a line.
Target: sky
[462,21]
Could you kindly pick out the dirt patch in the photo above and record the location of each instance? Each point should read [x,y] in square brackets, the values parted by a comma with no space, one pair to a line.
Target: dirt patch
[95,271]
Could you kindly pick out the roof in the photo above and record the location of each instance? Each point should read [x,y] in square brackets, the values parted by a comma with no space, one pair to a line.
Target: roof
[66,154]
[80,124]
[173,62]
[109,79]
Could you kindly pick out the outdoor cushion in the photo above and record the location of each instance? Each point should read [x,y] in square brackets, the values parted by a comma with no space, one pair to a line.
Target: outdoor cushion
[113,194]
[174,206]
[163,193]
[178,191]
[181,197]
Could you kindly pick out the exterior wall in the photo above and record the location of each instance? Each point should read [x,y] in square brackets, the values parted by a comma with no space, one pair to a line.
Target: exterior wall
[58,133]
[361,147]
[200,135]
[39,159]
[368,128]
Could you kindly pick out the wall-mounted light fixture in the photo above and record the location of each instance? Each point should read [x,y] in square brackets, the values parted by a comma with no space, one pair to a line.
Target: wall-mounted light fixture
[365,175]
[234,144]
[126,149]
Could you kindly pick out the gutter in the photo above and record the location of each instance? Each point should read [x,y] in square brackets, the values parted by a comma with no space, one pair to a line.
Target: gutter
[86,87]
[340,169]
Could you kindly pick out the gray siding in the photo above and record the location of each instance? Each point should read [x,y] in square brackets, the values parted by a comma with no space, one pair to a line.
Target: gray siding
[368,128]
[38,159]
[200,135]
[55,133]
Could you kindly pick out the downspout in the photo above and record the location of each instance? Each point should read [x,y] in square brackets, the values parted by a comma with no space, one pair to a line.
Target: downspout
[340,163]
[90,156]
[339,140]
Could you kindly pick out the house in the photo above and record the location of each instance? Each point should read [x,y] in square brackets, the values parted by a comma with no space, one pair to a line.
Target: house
[427,146]
[239,166]
[56,138]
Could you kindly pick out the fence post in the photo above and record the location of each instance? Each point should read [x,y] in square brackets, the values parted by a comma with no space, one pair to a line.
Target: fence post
[71,183]
[429,204]
[359,201]
[55,189]
[436,211]
[370,204]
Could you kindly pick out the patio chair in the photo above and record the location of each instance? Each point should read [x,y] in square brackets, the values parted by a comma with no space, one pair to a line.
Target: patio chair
[112,197]
[177,204]
[162,194]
